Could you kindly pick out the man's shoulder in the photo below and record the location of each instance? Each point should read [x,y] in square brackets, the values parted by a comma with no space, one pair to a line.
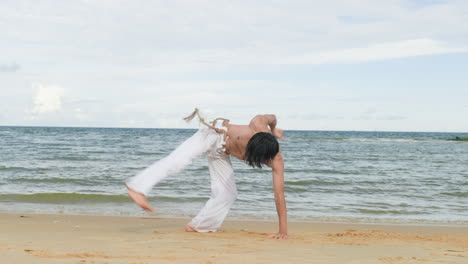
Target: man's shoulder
[259,120]
[259,123]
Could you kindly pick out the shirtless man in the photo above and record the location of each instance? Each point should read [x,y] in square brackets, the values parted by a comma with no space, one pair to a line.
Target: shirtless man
[254,144]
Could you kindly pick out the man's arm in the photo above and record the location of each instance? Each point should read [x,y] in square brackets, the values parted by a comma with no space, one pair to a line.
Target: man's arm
[262,122]
[271,119]
[277,166]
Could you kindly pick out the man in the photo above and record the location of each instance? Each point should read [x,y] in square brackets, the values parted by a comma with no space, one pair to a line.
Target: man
[255,144]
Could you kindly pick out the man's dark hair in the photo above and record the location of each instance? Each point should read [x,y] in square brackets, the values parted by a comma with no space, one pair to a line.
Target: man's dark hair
[261,149]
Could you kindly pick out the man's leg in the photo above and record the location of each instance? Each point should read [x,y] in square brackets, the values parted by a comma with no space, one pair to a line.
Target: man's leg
[140,185]
[223,195]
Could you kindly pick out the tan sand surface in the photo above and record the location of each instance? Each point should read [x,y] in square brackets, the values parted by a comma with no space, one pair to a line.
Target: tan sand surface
[30,238]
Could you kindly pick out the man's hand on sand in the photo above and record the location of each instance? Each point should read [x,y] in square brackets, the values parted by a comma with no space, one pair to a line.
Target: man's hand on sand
[279,236]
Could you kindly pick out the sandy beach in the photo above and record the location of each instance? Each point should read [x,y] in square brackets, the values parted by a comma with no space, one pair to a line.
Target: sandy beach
[31,238]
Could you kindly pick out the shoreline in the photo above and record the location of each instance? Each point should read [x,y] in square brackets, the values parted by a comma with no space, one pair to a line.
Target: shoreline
[43,238]
[315,220]
[234,220]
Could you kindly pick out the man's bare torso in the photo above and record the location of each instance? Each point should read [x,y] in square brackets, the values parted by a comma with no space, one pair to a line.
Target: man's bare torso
[238,136]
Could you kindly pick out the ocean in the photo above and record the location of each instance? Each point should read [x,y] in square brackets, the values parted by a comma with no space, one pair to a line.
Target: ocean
[335,176]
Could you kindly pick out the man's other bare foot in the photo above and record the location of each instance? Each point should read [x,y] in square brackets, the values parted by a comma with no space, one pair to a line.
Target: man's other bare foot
[140,199]
[189,229]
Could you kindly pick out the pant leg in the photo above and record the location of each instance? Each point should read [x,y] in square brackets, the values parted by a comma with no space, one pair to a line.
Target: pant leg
[202,141]
[223,195]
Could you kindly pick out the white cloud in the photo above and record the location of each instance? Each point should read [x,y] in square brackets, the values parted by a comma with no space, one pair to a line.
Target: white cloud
[9,67]
[47,99]
[392,117]
[80,114]
[379,51]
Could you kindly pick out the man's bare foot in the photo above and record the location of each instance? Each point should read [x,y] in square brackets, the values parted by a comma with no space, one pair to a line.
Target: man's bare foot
[189,229]
[140,199]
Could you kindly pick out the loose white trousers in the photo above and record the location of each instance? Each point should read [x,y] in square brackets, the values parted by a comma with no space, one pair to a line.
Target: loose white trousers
[223,187]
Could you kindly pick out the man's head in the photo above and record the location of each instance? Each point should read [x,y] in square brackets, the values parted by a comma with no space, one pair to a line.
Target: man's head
[261,149]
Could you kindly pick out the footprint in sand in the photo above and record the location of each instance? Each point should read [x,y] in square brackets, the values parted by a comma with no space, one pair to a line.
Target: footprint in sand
[405,259]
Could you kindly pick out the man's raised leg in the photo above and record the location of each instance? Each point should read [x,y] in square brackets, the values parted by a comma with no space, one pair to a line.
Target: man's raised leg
[140,185]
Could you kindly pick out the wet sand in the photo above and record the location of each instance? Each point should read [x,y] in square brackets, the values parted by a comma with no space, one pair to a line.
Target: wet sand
[31,238]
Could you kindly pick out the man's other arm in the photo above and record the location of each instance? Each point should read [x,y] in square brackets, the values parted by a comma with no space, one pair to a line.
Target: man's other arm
[277,165]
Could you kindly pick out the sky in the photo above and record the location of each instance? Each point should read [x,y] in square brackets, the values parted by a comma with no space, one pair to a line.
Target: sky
[390,65]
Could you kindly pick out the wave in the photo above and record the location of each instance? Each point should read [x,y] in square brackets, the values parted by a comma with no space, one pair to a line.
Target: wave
[389,212]
[313,183]
[383,139]
[63,198]
[202,169]
[148,153]
[321,171]
[85,182]
[295,189]
[455,194]
[70,158]
[5,168]
[75,198]
[464,139]
[13,168]
[397,140]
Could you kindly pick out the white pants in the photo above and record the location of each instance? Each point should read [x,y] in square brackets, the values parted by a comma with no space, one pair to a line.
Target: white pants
[223,187]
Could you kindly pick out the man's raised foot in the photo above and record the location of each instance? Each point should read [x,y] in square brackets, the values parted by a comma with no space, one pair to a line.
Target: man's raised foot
[140,199]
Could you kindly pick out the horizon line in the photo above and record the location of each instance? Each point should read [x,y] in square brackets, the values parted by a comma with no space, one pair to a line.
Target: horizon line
[304,130]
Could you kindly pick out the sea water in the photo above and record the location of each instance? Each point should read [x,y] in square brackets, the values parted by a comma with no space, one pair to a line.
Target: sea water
[391,177]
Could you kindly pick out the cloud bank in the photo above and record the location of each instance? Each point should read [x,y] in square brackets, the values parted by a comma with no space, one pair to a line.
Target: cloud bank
[148,63]
[9,67]
[47,99]
[379,51]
